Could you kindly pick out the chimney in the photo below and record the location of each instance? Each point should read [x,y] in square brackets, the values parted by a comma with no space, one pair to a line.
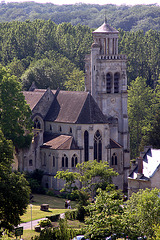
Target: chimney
[140,165]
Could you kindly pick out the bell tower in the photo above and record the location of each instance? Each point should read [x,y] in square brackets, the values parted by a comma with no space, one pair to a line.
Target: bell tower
[106,80]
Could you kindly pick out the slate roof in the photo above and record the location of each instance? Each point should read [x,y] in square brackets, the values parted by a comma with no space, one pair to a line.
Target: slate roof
[32,98]
[75,107]
[151,162]
[61,142]
[68,107]
[114,144]
[105,28]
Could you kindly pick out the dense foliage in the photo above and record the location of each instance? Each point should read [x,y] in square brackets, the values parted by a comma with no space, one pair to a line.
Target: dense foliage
[15,127]
[14,111]
[62,232]
[138,217]
[14,190]
[133,18]
[141,214]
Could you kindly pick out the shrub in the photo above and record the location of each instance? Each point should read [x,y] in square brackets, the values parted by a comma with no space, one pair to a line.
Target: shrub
[53,218]
[71,215]
[45,223]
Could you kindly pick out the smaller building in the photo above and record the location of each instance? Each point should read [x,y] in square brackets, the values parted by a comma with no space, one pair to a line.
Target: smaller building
[145,171]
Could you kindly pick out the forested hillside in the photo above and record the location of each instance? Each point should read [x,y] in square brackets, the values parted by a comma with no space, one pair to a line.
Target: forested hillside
[128,18]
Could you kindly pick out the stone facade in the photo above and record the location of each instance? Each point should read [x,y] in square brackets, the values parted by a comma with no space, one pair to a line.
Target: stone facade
[73,127]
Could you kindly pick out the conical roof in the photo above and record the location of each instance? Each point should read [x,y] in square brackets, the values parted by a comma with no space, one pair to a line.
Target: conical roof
[105,28]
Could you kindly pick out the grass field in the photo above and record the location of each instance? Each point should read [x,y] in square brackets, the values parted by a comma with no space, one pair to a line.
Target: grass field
[56,206]
[37,213]
[54,202]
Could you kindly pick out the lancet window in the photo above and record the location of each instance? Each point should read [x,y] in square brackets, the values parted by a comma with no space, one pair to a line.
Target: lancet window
[108,82]
[116,82]
[74,160]
[64,161]
[86,146]
[98,146]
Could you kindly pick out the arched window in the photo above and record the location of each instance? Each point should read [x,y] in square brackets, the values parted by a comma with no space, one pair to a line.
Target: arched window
[30,162]
[50,127]
[86,146]
[60,129]
[70,130]
[98,146]
[37,124]
[64,161]
[108,82]
[116,83]
[74,160]
[54,163]
[114,159]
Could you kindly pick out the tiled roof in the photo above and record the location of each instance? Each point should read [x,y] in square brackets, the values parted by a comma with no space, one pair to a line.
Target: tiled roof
[55,141]
[105,28]
[33,98]
[114,144]
[75,107]
[68,107]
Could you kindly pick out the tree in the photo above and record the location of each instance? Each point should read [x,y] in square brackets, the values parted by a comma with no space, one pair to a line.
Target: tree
[105,214]
[75,81]
[139,111]
[15,114]
[69,178]
[141,214]
[14,190]
[152,135]
[91,174]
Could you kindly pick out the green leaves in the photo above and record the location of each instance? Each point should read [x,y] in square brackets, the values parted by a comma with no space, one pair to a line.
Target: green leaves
[14,190]
[15,113]
[105,215]
[141,213]
[139,111]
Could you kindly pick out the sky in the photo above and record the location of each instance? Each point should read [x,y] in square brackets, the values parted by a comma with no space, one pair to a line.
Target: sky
[101,2]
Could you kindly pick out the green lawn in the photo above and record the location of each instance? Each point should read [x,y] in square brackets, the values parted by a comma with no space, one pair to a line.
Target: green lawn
[54,202]
[37,213]
[56,206]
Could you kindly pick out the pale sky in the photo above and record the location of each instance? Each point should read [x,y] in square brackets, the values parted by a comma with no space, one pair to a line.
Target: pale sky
[101,2]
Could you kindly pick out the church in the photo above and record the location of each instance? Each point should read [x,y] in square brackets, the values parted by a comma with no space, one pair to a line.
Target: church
[73,127]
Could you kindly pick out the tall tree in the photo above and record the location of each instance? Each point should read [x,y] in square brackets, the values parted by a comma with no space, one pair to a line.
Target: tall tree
[139,111]
[14,190]
[15,114]
[141,214]
[105,214]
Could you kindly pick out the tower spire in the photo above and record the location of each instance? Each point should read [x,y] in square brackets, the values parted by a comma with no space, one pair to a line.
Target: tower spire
[105,19]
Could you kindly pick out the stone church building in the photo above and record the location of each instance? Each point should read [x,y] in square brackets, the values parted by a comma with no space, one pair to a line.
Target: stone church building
[73,127]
